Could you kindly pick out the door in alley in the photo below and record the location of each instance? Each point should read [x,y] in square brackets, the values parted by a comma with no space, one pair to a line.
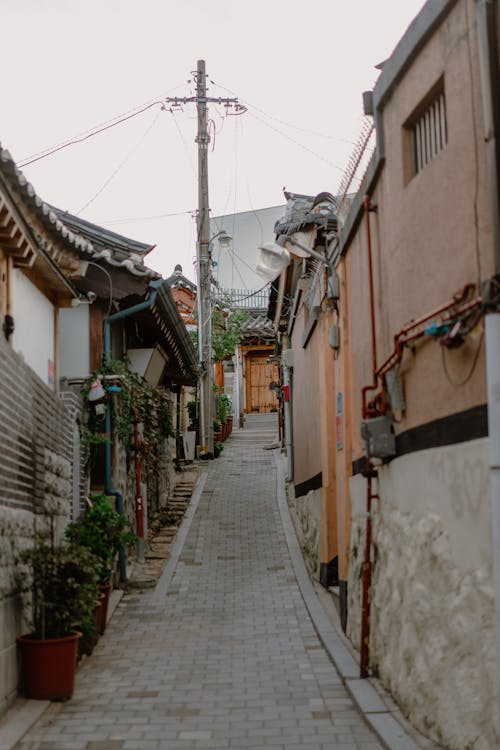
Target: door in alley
[260,374]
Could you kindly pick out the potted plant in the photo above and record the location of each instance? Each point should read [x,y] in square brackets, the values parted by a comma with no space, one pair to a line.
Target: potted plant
[104,532]
[63,592]
[217,431]
[218,448]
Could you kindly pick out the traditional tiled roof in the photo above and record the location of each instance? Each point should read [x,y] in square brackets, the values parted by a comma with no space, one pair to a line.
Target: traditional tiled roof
[258,324]
[43,212]
[178,279]
[305,211]
[113,248]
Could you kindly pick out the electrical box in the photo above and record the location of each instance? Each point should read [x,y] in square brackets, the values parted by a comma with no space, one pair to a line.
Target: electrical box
[333,290]
[334,336]
[379,437]
[288,357]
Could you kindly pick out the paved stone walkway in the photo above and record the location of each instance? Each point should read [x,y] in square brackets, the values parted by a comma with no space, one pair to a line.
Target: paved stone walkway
[223,653]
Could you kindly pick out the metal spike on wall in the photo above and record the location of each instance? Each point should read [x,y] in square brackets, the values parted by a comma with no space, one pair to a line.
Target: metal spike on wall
[354,162]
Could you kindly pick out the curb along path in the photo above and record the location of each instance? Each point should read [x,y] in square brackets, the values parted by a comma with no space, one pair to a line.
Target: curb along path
[222,653]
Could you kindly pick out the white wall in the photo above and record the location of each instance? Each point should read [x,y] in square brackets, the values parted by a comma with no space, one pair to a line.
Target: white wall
[74,361]
[33,336]
[236,266]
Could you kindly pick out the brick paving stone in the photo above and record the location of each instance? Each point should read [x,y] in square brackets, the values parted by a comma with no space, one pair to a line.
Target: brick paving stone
[223,654]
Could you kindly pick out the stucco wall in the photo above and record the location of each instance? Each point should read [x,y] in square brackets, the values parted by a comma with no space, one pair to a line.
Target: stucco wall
[305,405]
[305,511]
[432,637]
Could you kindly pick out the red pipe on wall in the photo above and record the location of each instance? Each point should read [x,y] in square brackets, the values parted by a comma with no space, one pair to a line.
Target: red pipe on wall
[370,473]
[368,207]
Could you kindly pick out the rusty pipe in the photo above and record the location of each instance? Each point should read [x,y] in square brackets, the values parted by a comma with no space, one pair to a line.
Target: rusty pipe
[370,473]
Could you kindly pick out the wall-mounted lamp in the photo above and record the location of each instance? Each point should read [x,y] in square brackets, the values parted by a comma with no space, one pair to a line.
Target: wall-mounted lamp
[88,299]
[274,257]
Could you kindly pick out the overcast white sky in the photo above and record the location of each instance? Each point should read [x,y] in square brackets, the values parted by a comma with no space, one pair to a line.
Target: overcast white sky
[300,68]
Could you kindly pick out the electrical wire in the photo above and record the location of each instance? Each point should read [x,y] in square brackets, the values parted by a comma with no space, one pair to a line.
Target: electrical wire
[249,105]
[186,148]
[458,383]
[90,134]
[121,164]
[99,128]
[297,143]
[145,218]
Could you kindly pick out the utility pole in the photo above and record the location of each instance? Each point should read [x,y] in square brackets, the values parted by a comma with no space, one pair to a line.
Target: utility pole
[203,256]
[204,270]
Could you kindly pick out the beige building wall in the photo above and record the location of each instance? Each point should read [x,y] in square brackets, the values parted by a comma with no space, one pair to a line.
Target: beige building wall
[432,596]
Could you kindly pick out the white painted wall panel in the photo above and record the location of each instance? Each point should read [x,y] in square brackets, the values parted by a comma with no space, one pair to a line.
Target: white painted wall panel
[74,359]
[34,325]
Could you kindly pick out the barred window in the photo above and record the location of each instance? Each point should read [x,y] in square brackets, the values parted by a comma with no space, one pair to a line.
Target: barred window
[429,133]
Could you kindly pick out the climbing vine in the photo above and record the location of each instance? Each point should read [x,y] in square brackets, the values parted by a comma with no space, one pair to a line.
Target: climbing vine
[131,399]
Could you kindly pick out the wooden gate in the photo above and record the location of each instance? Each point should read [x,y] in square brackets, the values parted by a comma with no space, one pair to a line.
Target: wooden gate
[259,374]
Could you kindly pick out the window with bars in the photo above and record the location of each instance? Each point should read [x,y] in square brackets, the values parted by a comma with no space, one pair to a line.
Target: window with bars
[428,133]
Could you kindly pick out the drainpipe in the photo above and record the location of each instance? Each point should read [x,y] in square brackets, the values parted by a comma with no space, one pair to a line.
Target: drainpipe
[109,490]
[486,20]
[368,207]
[287,409]
[370,473]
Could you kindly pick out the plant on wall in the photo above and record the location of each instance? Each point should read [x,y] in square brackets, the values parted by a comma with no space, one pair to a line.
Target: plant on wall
[131,399]
[227,332]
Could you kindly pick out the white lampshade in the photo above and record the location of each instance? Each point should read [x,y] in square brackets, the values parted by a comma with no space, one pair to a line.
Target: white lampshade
[272,260]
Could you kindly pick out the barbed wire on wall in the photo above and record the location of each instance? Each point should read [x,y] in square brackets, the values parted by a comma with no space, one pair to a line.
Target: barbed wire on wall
[356,166]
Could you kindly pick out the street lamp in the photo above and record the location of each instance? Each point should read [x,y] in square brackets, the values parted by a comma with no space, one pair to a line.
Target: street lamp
[274,257]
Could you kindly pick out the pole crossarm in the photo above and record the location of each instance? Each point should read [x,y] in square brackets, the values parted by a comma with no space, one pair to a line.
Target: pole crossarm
[176,100]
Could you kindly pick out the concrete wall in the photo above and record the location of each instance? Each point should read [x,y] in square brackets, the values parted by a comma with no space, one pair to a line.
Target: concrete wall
[431,631]
[249,229]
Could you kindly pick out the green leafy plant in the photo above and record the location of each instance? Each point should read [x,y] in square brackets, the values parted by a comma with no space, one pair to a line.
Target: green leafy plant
[227,332]
[132,400]
[224,406]
[217,425]
[218,448]
[64,580]
[103,531]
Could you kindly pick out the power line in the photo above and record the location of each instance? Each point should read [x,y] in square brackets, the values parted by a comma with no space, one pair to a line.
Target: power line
[99,128]
[249,105]
[145,218]
[80,139]
[120,165]
[297,143]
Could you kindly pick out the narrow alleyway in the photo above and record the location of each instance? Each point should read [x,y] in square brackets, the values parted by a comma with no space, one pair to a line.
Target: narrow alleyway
[222,654]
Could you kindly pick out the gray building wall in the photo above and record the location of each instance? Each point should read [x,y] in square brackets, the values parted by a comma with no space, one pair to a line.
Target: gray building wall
[235,267]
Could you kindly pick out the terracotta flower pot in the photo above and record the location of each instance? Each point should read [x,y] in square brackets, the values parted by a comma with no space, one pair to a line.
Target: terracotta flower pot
[48,666]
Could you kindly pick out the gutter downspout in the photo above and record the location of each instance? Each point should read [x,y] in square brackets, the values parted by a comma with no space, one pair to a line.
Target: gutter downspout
[287,412]
[109,490]
[486,20]
[370,472]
